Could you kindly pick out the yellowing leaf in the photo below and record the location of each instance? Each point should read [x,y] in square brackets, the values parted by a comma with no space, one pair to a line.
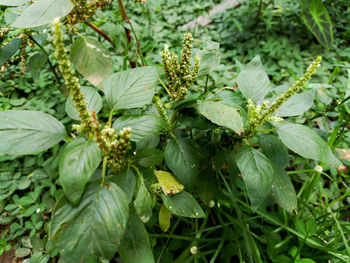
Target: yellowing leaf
[169,184]
[164,218]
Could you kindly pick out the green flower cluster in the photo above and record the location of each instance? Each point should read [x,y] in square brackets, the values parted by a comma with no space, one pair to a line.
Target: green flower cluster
[161,110]
[23,53]
[114,145]
[3,32]
[140,1]
[71,81]
[259,115]
[179,76]
[84,9]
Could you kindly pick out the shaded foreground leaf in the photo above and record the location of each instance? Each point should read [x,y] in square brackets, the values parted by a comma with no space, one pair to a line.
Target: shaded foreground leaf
[182,158]
[257,173]
[78,162]
[183,204]
[95,227]
[135,247]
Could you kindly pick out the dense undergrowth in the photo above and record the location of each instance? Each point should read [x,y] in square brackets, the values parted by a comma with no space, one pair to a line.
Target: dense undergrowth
[313,225]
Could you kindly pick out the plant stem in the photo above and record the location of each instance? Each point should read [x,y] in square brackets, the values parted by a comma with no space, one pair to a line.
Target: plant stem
[104,169]
[100,32]
[47,55]
[330,108]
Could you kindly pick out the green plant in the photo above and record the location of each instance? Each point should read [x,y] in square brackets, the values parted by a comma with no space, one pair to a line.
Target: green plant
[140,164]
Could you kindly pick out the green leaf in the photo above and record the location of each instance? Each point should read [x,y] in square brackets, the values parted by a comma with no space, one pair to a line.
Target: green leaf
[36,63]
[282,187]
[283,190]
[222,115]
[78,162]
[9,50]
[182,158]
[168,182]
[126,181]
[305,142]
[142,126]
[43,12]
[317,20]
[253,81]
[135,247]
[257,173]
[274,149]
[28,132]
[130,89]
[148,157]
[22,252]
[93,99]
[13,2]
[297,104]
[164,218]
[95,227]
[209,58]
[92,60]
[347,93]
[183,204]
[143,202]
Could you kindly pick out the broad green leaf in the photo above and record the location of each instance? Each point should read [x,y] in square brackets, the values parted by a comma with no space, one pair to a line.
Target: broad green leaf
[91,59]
[78,162]
[253,81]
[207,186]
[28,132]
[347,93]
[130,89]
[36,63]
[14,2]
[183,204]
[143,202]
[282,187]
[283,190]
[317,20]
[148,157]
[135,246]
[93,99]
[257,173]
[9,50]
[169,184]
[164,218]
[94,227]
[43,12]
[22,252]
[209,58]
[306,143]
[182,158]
[222,115]
[274,149]
[126,181]
[297,104]
[142,126]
